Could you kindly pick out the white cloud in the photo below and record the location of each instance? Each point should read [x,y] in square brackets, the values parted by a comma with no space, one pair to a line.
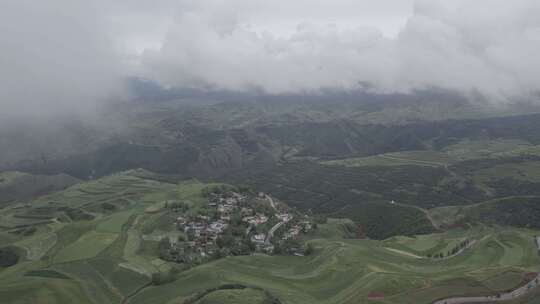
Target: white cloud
[66,54]
[452,44]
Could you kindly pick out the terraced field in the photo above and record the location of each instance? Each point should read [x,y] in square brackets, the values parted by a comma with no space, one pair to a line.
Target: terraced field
[247,296]
[463,150]
[108,258]
[348,271]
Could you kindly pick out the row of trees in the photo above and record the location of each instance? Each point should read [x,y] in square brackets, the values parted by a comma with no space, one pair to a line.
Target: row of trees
[451,252]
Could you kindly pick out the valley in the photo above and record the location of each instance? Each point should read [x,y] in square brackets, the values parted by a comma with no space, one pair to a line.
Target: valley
[101,242]
[277,210]
[269,152]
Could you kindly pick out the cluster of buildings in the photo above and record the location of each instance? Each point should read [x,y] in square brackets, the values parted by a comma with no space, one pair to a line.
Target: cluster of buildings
[255,220]
[202,231]
[226,202]
[294,231]
[284,217]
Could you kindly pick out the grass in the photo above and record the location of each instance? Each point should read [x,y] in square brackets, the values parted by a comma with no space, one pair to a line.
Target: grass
[136,262]
[505,280]
[380,220]
[107,258]
[38,244]
[526,171]
[114,222]
[43,291]
[346,271]
[516,211]
[123,280]
[466,149]
[87,246]
[235,296]
[46,273]
[420,158]
[191,192]
[10,176]
[470,149]
[96,286]
[334,227]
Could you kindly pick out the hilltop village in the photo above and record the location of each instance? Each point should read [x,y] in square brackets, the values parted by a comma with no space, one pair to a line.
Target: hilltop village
[234,223]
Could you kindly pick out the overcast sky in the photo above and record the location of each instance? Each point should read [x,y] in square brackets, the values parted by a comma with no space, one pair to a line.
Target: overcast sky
[73,53]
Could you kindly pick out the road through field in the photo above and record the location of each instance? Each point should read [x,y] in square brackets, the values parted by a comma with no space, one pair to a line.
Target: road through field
[420,162]
[426,213]
[276,226]
[271,202]
[516,293]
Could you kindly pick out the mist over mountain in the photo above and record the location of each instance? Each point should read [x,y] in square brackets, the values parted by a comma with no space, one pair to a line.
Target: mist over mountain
[69,56]
[269,152]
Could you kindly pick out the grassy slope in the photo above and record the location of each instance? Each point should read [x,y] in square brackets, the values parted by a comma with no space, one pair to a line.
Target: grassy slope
[346,271]
[243,296]
[18,186]
[519,211]
[465,149]
[382,220]
[341,271]
[91,253]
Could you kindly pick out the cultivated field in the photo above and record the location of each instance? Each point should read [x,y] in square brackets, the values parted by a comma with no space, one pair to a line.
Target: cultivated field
[461,151]
[348,271]
[99,246]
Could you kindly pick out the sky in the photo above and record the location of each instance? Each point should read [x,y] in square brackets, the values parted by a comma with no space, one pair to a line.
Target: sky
[74,54]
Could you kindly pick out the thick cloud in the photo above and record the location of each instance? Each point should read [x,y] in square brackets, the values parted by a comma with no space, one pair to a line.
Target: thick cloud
[60,55]
[55,56]
[481,46]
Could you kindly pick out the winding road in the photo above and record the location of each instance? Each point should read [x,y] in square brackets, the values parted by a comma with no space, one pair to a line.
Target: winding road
[271,202]
[271,232]
[276,226]
[516,293]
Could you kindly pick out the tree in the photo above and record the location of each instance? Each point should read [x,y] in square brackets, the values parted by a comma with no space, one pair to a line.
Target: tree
[8,257]
[236,220]
[217,254]
[160,278]
[309,249]
[321,219]
[164,248]
[250,245]
[224,241]
[277,248]
[190,234]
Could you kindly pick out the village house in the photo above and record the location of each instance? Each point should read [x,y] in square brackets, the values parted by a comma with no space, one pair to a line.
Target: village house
[246,211]
[284,217]
[292,233]
[258,238]
[306,226]
[256,220]
[217,227]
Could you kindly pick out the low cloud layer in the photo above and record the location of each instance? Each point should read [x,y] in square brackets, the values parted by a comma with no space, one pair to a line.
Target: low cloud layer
[62,54]
[486,46]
